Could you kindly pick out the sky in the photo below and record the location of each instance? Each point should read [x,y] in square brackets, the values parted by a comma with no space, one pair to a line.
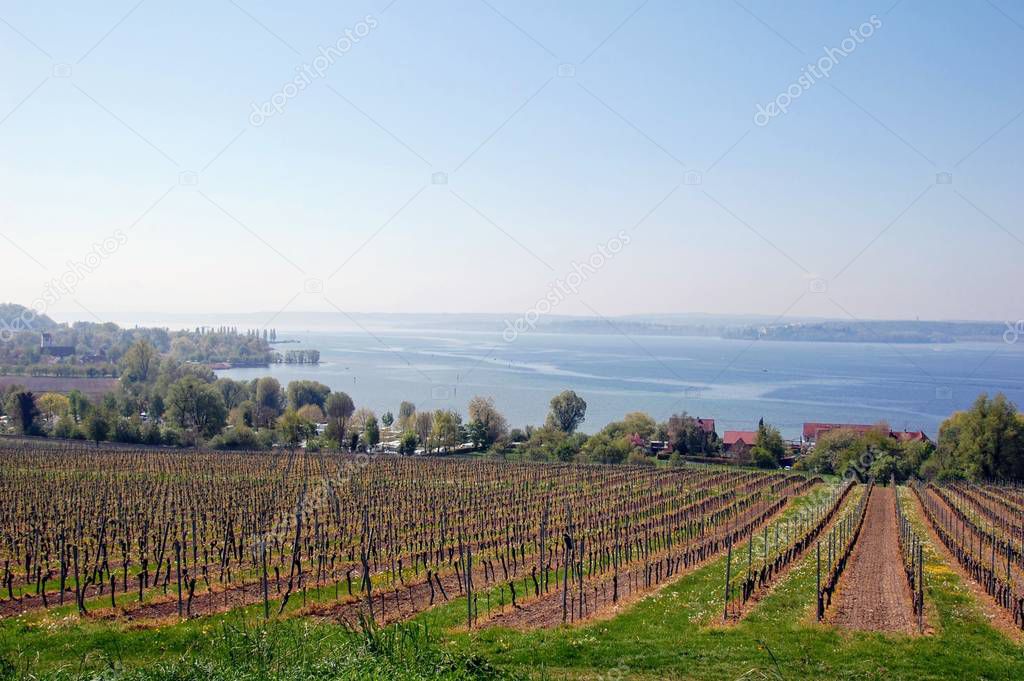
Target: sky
[487,156]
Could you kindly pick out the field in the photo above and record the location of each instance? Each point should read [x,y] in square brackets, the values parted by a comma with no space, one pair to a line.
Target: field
[157,564]
[91,387]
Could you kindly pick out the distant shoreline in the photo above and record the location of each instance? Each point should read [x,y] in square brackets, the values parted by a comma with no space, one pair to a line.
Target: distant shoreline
[734,327]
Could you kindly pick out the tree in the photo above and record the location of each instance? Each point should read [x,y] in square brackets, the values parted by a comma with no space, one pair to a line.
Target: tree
[635,423]
[371,432]
[269,401]
[361,417]
[126,430]
[638,458]
[769,447]
[424,425]
[53,406]
[243,416]
[335,431]
[407,445]
[78,403]
[551,444]
[446,430]
[301,393]
[568,410]
[984,442]
[294,428]
[477,433]
[243,438]
[915,453]
[406,414]
[762,458]
[21,407]
[157,406]
[604,448]
[387,419]
[686,436]
[234,393]
[139,365]
[339,408]
[97,427]
[835,451]
[311,413]
[65,427]
[493,425]
[885,467]
[196,407]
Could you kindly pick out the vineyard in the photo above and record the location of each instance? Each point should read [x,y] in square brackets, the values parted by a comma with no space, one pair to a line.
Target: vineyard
[149,549]
[146,535]
[981,526]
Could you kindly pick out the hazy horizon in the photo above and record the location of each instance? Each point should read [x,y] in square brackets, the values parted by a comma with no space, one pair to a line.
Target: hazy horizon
[326,321]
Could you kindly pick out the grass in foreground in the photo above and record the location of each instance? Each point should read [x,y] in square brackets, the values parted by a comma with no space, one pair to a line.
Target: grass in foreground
[290,649]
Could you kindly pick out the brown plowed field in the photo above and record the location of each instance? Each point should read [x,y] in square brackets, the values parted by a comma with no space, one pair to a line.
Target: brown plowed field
[873,592]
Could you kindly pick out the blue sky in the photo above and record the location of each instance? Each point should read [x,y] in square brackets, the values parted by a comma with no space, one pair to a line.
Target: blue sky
[558,127]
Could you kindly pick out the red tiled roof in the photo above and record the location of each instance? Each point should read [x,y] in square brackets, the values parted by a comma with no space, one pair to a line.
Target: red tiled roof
[910,436]
[732,437]
[707,425]
[812,430]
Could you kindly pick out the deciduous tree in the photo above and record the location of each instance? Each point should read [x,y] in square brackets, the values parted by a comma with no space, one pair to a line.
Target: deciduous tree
[196,407]
[492,423]
[568,410]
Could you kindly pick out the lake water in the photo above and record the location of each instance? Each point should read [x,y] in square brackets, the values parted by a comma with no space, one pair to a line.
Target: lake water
[735,382]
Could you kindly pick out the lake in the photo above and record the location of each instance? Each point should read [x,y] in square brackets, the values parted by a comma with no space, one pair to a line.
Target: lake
[913,387]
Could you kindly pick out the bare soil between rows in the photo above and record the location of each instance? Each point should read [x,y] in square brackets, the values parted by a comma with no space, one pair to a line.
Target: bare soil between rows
[873,593]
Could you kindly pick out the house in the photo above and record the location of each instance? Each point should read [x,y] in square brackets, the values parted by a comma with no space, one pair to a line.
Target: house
[910,436]
[738,441]
[91,358]
[707,425]
[658,448]
[813,430]
[48,348]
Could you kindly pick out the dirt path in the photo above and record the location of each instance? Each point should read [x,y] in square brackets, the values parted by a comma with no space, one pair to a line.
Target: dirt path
[873,593]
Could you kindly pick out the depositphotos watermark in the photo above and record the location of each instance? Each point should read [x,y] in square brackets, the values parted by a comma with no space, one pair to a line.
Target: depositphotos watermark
[315,70]
[562,288]
[617,673]
[64,285]
[860,467]
[812,73]
[1013,332]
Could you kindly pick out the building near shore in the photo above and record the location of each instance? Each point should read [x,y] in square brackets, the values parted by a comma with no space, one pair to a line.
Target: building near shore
[813,431]
[738,442]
